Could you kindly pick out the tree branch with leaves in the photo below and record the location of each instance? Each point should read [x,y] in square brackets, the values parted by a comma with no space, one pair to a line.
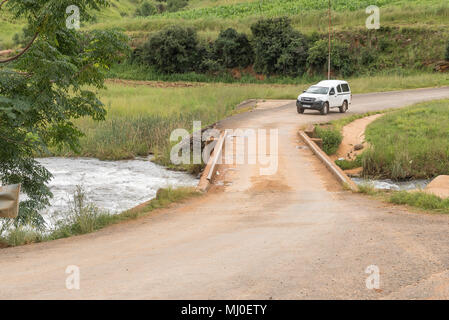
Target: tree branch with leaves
[63,71]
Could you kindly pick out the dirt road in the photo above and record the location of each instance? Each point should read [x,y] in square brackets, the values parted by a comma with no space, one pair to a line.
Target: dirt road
[294,235]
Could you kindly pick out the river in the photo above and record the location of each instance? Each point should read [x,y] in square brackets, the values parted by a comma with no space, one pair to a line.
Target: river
[114,186]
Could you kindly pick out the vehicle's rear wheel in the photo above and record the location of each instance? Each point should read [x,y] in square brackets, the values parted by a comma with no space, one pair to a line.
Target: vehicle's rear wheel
[344,107]
[325,109]
[300,110]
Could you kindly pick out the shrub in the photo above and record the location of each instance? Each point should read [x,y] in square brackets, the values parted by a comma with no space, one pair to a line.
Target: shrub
[331,139]
[175,49]
[232,49]
[293,59]
[146,9]
[341,60]
[348,164]
[447,51]
[279,49]
[175,5]
[367,57]
[161,7]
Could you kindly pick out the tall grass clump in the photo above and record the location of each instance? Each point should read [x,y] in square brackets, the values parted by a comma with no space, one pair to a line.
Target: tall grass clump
[82,217]
[410,143]
[21,235]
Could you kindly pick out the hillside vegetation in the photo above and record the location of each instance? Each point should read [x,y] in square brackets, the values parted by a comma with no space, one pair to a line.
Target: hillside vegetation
[209,17]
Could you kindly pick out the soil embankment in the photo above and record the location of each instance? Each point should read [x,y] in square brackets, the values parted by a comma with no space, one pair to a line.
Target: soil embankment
[353,142]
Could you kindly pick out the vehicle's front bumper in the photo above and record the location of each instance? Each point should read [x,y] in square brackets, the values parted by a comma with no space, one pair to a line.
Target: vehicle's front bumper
[316,105]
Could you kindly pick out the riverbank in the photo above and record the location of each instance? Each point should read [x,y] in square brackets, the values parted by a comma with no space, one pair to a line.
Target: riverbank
[84,217]
[402,150]
[410,143]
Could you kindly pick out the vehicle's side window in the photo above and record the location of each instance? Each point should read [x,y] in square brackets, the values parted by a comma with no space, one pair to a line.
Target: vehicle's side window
[345,87]
[332,92]
[339,89]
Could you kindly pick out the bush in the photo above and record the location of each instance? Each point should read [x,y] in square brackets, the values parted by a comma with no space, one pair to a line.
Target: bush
[367,57]
[175,49]
[348,164]
[293,59]
[331,139]
[176,5]
[232,49]
[146,9]
[447,51]
[341,60]
[279,49]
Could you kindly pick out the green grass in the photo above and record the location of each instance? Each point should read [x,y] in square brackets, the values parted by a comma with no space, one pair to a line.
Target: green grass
[84,218]
[141,118]
[285,7]
[415,199]
[409,143]
[209,16]
[307,16]
[420,200]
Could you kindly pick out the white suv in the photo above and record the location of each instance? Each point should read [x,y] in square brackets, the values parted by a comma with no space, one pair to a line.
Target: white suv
[324,96]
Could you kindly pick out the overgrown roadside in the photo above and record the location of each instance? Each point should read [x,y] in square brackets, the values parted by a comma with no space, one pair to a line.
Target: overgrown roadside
[84,217]
[409,143]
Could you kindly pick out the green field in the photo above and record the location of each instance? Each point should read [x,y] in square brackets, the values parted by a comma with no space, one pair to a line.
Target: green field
[209,16]
[410,143]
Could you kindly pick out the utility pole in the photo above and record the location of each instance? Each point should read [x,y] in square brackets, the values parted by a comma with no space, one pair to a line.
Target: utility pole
[329,59]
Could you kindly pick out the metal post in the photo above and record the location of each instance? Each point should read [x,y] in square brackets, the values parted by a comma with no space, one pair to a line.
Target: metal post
[9,201]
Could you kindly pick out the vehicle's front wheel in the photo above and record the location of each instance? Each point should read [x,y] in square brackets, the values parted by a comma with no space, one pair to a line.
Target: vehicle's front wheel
[300,110]
[325,109]
[344,107]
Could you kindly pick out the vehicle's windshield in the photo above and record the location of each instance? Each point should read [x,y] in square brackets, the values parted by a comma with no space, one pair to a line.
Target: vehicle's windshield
[317,90]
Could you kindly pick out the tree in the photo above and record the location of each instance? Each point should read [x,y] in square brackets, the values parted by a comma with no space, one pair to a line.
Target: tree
[233,49]
[341,59]
[175,49]
[279,49]
[44,88]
